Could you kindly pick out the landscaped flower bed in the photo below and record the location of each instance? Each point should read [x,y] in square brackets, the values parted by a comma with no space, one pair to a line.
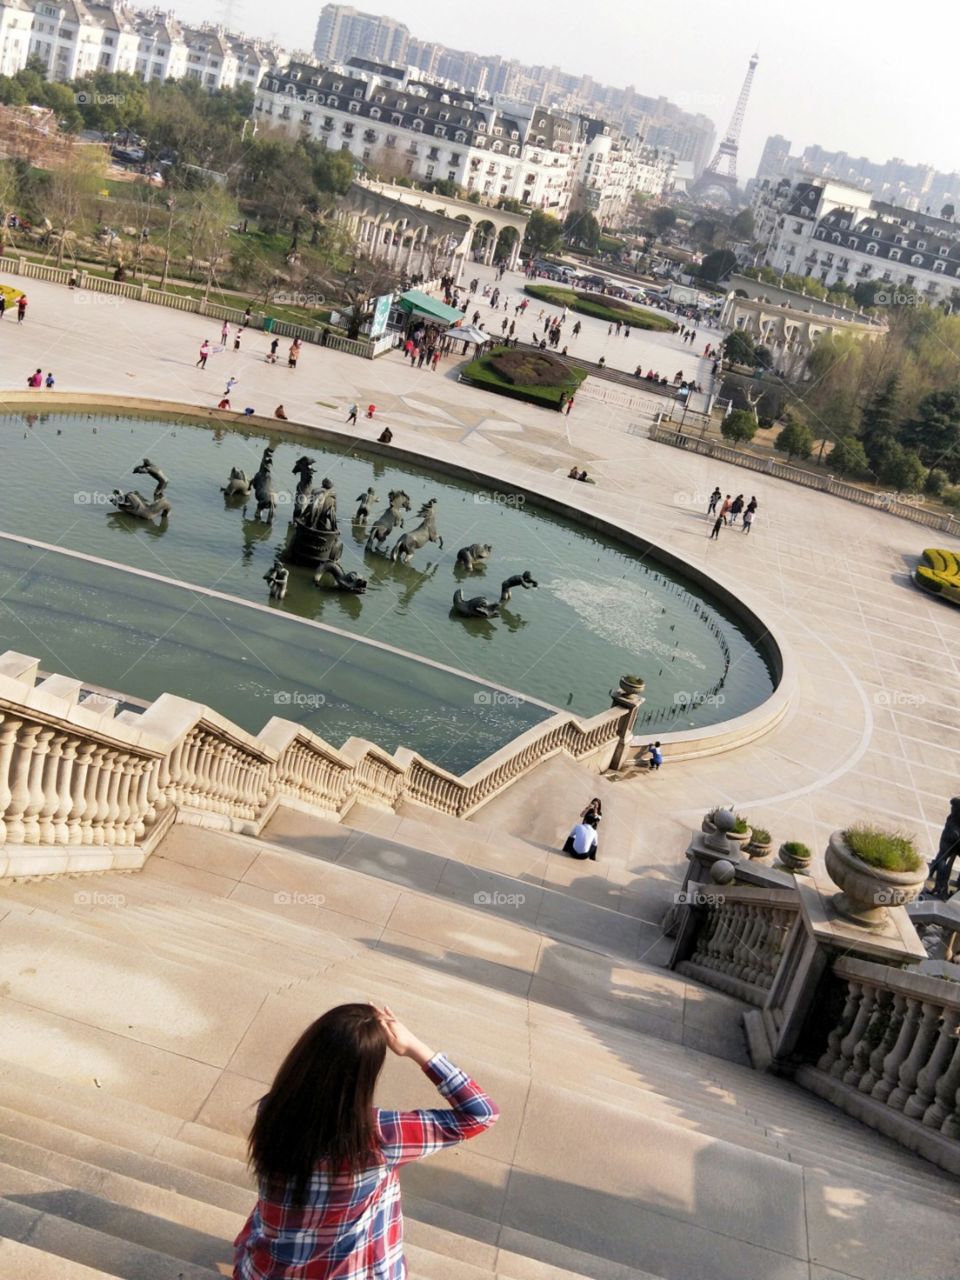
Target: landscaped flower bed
[599,305]
[536,376]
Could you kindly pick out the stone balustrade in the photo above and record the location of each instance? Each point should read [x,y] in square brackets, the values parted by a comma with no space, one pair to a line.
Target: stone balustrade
[892,1056]
[739,939]
[83,788]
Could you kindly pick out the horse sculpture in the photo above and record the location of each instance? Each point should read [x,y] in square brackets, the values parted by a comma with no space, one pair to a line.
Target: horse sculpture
[148,468]
[482,607]
[391,519]
[238,486]
[263,490]
[472,557]
[363,510]
[351,581]
[303,468]
[135,504]
[426,531]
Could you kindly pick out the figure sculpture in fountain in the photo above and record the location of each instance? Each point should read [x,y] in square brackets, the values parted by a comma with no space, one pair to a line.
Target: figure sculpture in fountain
[365,501]
[391,519]
[135,504]
[472,557]
[148,468]
[426,531]
[350,582]
[277,577]
[263,490]
[482,606]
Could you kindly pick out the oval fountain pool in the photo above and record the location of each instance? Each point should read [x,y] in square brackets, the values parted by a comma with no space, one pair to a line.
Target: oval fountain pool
[600,609]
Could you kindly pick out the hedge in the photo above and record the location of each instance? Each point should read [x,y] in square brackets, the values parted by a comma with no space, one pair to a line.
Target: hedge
[588,305]
[481,374]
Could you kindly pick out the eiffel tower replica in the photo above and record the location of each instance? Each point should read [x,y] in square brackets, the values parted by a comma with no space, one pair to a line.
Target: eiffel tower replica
[721,172]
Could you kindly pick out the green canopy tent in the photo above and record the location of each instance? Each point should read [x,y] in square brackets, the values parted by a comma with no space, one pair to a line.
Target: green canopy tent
[416,302]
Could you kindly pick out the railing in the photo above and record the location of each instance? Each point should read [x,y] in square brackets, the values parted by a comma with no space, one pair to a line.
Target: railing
[74,773]
[741,938]
[892,1057]
[143,291]
[812,479]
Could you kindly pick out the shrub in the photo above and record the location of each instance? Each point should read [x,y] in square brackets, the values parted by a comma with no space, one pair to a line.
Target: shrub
[530,368]
[741,826]
[936,482]
[760,836]
[848,458]
[797,850]
[795,440]
[739,426]
[484,373]
[886,850]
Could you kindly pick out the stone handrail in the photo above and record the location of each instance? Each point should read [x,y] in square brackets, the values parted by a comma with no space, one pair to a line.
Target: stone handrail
[79,783]
[741,937]
[811,479]
[892,1056]
[143,291]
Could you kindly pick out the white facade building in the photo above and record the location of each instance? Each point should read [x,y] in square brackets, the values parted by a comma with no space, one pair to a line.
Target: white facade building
[838,233]
[74,38]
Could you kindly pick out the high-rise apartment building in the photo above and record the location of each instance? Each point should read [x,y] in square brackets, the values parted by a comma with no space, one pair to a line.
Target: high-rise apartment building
[775,157]
[344,32]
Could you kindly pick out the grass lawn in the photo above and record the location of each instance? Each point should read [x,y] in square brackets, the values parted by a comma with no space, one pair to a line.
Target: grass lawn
[551,381]
[600,306]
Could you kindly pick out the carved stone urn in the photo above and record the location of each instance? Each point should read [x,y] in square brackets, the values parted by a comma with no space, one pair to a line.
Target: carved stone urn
[865,891]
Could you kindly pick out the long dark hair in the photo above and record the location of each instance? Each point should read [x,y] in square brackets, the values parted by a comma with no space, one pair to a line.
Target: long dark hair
[320,1105]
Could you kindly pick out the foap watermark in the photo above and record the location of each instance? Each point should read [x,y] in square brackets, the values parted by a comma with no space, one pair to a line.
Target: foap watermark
[682,698]
[298,698]
[499,499]
[485,898]
[494,698]
[894,296]
[898,698]
[697,898]
[686,498]
[294,898]
[83,498]
[84,298]
[295,298]
[96,898]
[89,98]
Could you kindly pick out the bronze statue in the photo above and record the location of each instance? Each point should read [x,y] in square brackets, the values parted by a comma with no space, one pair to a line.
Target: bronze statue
[263,490]
[472,557]
[426,531]
[941,868]
[482,607]
[135,504]
[148,468]
[391,519]
[277,577]
[363,510]
[238,486]
[351,582]
[303,467]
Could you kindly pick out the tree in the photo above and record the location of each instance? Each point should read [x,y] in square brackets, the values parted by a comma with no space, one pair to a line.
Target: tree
[367,280]
[795,440]
[879,430]
[902,470]
[583,230]
[717,265]
[934,433]
[948,212]
[742,226]
[662,219]
[847,458]
[544,234]
[69,194]
[739,427]
[738,347]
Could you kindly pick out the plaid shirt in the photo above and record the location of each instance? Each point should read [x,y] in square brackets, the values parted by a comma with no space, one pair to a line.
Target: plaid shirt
[350,1226]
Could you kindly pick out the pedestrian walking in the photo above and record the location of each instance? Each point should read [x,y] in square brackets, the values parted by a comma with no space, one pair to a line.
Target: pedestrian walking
[272,357]
[727,504]
[231,383]
[294,353]
[21,308]
[569,406]
[327,1160]
[714,499]
[3,305]
[352,415]
[204,353]
[49,382]
[736,506]
[435,360]
[246,318]
[224,334]
[718,525]
[748,519]
[236,340]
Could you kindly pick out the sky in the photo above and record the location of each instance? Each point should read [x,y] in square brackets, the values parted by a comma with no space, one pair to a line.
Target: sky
[863,78]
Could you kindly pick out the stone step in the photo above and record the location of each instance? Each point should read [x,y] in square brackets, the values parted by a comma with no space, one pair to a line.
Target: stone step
[48,1232]
[23,1262]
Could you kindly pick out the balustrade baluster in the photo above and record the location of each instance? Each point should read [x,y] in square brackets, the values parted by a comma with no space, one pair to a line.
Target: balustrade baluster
[48,785]
[832,1052]
[860,1057]
[853,1037]
[918,1103]
[62,833]
[898,1054]
[885,1028]
[19,782]
[101,808]
[928,1029]
[9,727]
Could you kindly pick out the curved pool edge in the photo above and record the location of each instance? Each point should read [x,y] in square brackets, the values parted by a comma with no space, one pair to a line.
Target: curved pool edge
[682,744]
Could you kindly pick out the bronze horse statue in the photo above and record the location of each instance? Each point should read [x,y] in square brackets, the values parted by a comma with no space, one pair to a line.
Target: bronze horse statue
[426,531]
[391,519]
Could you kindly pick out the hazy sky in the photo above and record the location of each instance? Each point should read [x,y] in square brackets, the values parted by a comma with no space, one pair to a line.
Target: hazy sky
[863,78]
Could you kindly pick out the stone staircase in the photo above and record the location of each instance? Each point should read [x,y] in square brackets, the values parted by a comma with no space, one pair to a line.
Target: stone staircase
[144,1014]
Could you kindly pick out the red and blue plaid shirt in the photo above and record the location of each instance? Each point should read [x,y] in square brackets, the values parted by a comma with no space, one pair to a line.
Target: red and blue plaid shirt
[350,1226]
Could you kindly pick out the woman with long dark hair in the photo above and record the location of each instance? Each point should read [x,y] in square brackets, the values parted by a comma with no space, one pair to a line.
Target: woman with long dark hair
[326,1158]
